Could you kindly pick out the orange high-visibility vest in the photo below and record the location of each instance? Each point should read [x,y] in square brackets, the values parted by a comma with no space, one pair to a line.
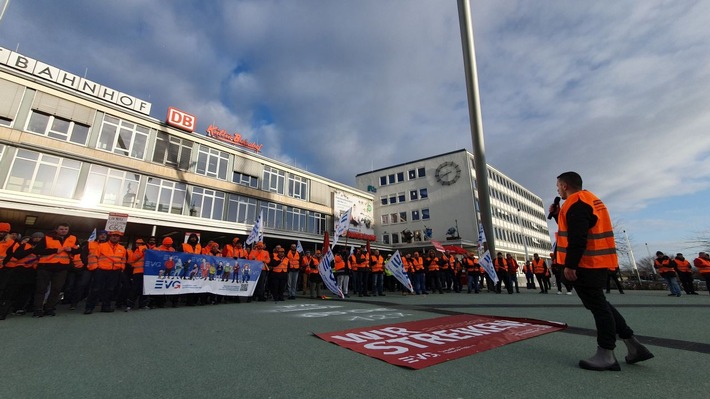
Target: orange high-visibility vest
[601,249]
[294,260]
[111,256]
[339,263]
[663,266]
[197,249]
[433,264]
[28,262]
[62,257]
[379,264]
[538,266]
[137,259]
[262,255]
[418,263]
[683,265]
[282,266]
[703,265]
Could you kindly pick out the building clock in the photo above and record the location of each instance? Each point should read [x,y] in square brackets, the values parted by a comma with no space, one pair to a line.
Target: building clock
[448,173]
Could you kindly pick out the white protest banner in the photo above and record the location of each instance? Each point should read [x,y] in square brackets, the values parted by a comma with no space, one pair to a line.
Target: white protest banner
[325,269]
[117,222]
[396,266]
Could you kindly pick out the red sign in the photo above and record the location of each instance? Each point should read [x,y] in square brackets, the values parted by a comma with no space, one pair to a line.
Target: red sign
[181,120]
[236,138]
[360,236]
[419,344]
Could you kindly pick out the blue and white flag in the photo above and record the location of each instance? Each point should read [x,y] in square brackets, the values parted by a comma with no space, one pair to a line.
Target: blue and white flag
[256,231]
[299,247]
[92,237]
[484,255]
[325,269]
[396,266]
[342,227]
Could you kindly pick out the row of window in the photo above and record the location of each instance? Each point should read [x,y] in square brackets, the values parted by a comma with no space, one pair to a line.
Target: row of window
[404,236]
[129,139]
[513,187]
[414,195]
[401,217]
[38,173]
[515,203]
[399,176]
[517,238]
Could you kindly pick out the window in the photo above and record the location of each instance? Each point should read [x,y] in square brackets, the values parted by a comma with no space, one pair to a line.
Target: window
[403,217]
[385,219]
[5,121]
[111,187]
[395,238]
[412,174]
[390,179]
[297,187]
[393,199]
[423,193]
[212,162]
[383,180]
[241,209]
[207,203]
[400,177]
[296,219]
[245,180]
[273,215]
[123,137]
[273,180]
[316,223]
[415,215]
[401,197]
[383,199]
[57,128]
[386,238]
[417,235]
[172,151]
[413,195]
[164,196]
[421,172]
[36,173]
[394,217]
[425,214]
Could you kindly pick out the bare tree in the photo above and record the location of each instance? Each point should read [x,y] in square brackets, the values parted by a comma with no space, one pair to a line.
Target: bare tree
[700,241]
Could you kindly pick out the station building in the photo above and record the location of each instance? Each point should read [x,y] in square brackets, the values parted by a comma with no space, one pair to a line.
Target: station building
[435,198]
[73,150]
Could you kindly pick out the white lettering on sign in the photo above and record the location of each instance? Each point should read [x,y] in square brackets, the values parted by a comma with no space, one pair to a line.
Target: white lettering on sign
[181,120]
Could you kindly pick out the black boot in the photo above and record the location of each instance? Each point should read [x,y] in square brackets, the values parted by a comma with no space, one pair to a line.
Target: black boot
[604,359]
[637,352]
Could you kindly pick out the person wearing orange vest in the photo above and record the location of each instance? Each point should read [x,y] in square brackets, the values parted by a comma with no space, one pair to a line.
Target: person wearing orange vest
[55,258]
[702,263]
[362,272]
[305,263]
[278,276]
[136,258]
[513,268]
[586,248]
[472,268]
[685,273]
[377,267]
[665,269]
[19,268]
[432,264]
[112,257]
[6,242]
[530,275]
[419,281]
[342,271]
[261,254]
[501,267]
[294,270]
[314,278]
[539,269]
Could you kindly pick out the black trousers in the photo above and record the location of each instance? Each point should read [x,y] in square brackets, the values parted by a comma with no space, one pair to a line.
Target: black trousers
[541,281]
[590,286]
[54,274]
[277,282]
[503,278]
[686,279]
[103,285]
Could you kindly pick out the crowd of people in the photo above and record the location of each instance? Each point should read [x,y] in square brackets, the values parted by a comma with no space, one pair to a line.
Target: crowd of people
[40,271]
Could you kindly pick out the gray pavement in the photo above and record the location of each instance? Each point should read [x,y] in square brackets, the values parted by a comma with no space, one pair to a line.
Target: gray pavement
[268,350]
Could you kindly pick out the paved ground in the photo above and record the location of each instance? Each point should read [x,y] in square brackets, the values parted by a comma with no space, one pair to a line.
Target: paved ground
[267,350]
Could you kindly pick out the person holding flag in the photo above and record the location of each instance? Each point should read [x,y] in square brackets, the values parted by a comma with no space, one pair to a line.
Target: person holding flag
[261,254]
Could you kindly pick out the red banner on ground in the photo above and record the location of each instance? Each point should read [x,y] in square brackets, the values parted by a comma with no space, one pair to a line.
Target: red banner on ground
[424,343]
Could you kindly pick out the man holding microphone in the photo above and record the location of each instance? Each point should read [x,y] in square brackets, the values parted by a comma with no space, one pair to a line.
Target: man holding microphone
[586,249]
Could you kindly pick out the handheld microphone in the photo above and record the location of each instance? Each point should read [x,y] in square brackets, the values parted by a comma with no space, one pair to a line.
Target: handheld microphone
[557,204]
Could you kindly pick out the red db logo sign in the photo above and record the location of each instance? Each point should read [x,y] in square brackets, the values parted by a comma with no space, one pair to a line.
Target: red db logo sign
[181,120]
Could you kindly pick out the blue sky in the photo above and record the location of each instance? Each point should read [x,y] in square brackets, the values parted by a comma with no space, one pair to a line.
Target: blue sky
[615,90]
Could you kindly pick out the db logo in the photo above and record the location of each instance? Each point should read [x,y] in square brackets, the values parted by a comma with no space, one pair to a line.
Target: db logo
[164,284]
[181,120]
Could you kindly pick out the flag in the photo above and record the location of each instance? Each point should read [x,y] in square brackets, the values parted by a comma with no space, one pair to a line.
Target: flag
[342,226]
[352,249]
[256,234]
[92,237]
[325,269]
[299,247]
[396,266]
[438,246]
[326,241]
[427,232]
[484,256]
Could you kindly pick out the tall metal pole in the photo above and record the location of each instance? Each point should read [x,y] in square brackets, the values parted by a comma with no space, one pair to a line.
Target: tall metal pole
[4,7]
[631,255]
[474,113]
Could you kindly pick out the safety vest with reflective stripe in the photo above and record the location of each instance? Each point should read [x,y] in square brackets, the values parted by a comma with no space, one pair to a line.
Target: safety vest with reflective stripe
[352,260]
[28,262]
[663,266]
[703,265]
[600,252]
[471,265]
[294,260]
[62,257]
[378,264]
[197,249]
[682,265]
[433,265]
[281,264]
[339,263]
[111,256]
[538,266]
[418,264]
[137,259]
